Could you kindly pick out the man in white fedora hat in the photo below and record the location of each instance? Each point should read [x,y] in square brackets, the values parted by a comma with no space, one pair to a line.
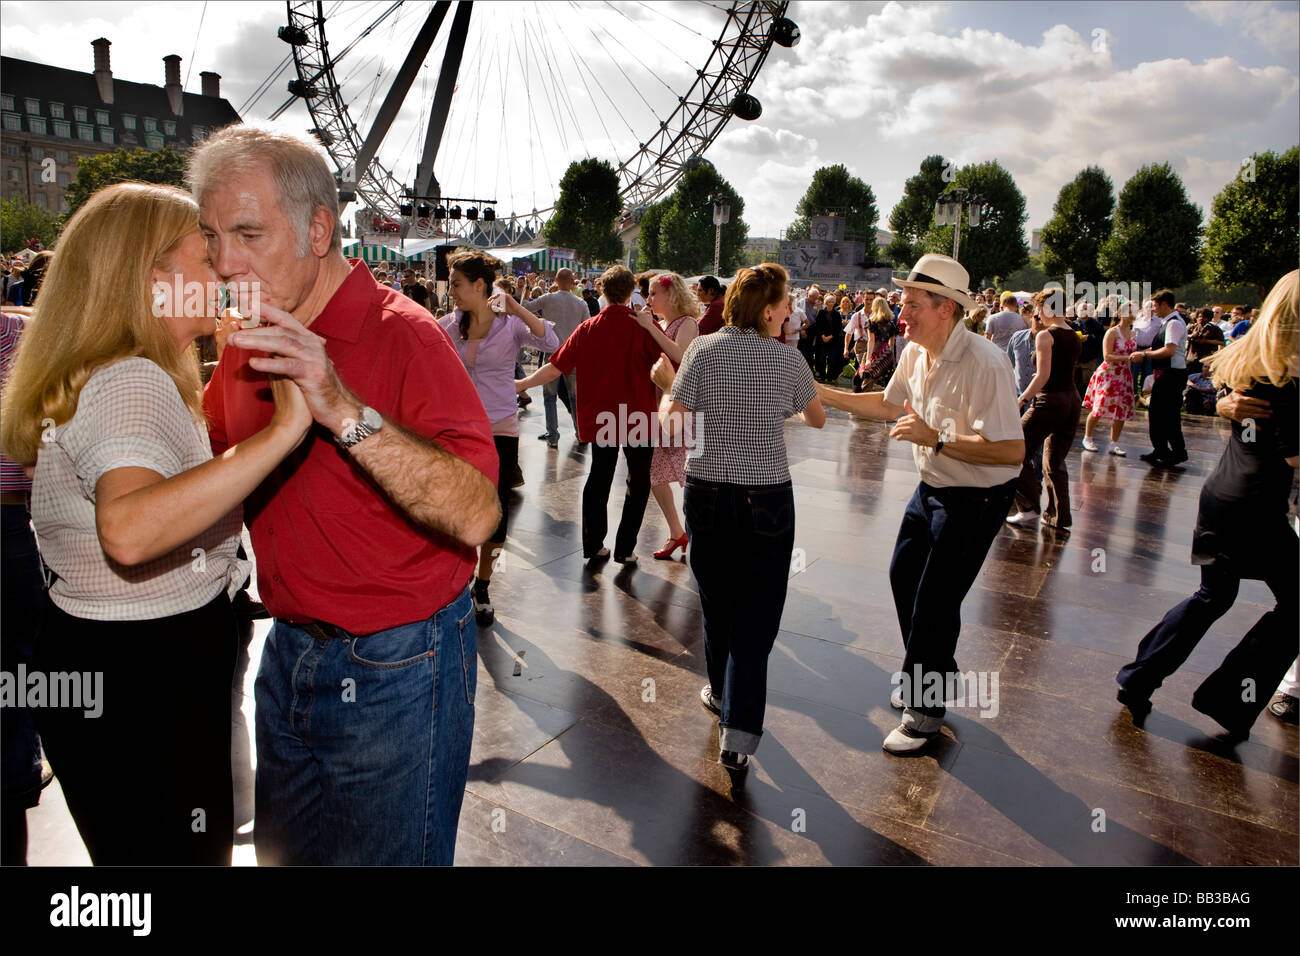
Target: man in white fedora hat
[954,401]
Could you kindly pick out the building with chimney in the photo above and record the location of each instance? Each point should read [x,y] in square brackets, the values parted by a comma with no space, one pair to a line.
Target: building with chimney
[53,116]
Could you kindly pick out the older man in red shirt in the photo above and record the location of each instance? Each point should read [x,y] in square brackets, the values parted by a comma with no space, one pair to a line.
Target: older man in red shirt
[364,536]
[618,405]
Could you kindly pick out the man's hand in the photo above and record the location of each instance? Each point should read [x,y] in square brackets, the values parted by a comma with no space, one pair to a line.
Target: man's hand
[912,427]
[1239,407]
[299,354]
[1137,357]
[663,374]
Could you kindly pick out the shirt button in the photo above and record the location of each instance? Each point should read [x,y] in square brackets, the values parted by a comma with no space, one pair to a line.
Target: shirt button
[275,578]
[270,531]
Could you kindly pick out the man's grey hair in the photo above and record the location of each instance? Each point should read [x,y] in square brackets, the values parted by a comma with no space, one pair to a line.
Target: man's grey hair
[937,299]
[302,177]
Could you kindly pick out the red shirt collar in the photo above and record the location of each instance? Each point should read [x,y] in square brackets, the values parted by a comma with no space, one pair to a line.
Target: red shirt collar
[344,314]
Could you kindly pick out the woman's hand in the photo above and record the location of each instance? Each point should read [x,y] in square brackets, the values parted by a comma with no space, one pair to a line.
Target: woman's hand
[226,324]
[291,415]
[644,317]
[663,374]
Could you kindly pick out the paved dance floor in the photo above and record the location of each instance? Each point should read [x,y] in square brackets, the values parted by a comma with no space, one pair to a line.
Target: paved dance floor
[591,747]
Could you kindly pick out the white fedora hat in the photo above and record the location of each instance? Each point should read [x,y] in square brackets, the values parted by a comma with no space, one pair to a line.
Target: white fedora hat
[941,275]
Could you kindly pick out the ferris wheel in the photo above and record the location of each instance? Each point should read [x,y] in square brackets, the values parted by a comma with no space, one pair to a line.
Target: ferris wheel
[502,101]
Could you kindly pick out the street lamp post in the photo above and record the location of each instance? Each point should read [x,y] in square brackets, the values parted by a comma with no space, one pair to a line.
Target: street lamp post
[948,212]
[721,216]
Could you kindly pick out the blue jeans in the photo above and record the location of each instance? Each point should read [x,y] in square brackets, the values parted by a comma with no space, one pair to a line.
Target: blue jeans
[741,539]
[363,741]
[945,535]
[565,389]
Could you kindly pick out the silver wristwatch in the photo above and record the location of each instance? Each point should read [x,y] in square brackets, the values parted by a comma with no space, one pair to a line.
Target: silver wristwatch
[371,421]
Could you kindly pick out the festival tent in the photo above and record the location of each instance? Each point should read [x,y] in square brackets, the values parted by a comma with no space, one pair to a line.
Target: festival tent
[414,250]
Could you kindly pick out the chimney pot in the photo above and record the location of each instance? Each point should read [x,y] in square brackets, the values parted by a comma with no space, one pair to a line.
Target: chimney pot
[175,94]
[211,84]
[103,72]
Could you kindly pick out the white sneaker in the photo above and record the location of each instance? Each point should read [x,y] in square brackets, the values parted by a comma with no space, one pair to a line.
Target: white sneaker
[913,733]
[1118,452]
[1023,519]
[1089,444]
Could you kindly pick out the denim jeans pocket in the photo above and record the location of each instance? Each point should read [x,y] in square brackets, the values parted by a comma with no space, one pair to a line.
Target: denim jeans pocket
[700,505]
[467,632]
[772,514]
[394,648]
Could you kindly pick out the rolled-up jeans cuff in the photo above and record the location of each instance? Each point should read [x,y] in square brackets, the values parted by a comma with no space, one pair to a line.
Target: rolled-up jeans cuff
[738,741]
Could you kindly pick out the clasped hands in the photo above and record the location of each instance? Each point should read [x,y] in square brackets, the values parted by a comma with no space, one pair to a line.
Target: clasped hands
[297,354]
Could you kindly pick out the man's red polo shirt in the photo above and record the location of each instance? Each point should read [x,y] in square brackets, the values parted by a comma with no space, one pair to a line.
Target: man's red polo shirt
[329,545]
[613,356]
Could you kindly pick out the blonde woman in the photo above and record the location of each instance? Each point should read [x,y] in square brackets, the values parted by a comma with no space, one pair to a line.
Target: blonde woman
[672,299]
[1110,392]
[881,357]
[139,523]
[1241,529]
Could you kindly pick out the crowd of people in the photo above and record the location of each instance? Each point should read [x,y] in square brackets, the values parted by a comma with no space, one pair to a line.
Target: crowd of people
[364,427]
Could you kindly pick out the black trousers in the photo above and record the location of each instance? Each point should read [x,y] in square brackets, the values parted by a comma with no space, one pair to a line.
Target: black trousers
[595,498]
[1165,413]
[1050,426]
[165,691]
[829,358]
[508,455]
[1241,686]
[20,616]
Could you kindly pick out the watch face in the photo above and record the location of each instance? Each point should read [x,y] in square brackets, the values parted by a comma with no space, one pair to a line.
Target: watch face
[370,418]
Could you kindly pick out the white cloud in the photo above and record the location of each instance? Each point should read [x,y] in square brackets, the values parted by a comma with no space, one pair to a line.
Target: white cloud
[1275,27]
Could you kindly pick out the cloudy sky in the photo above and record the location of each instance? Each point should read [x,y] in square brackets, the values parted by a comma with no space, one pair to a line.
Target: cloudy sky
[1045,88]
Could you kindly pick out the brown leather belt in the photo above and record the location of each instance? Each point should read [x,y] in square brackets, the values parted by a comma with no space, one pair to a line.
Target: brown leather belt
[14,498]
[320,631]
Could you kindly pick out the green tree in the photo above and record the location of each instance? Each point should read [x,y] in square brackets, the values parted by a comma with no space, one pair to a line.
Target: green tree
[165,166]
[1156,232]
[997,246]
[677,233]
[20,220]
[1080,223]
[1028,278]
[585,212]
[1252,237]
[911,218]
[835,189]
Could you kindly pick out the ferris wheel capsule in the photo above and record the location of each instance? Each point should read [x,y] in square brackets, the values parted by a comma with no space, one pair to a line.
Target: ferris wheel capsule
[785,32]
[746,106]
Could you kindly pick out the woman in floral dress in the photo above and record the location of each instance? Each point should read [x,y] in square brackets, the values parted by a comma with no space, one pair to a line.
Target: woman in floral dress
[1110,392]
[671,298]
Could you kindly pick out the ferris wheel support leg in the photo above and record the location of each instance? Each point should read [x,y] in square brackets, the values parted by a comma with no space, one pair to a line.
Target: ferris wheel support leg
[425,183]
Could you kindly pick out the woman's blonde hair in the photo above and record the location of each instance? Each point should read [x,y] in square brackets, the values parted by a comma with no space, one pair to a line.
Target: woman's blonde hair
[96,308]
[1267,353]
[880,311]
[750,293]
[681,300]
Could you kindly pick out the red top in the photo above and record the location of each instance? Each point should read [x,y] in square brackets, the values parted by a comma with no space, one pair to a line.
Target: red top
[613,356]
[329,546]
[711,320]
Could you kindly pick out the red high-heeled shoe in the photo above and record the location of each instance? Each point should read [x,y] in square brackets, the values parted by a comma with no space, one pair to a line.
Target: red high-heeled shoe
[666,552]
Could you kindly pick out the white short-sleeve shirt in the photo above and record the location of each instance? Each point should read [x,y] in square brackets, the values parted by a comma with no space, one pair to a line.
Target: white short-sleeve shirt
[129,414]
[965,391]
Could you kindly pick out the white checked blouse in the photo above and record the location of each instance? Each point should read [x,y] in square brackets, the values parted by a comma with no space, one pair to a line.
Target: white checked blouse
[129,414]
[743,387]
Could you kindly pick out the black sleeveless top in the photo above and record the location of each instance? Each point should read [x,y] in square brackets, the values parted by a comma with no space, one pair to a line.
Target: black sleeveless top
[1065,355]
